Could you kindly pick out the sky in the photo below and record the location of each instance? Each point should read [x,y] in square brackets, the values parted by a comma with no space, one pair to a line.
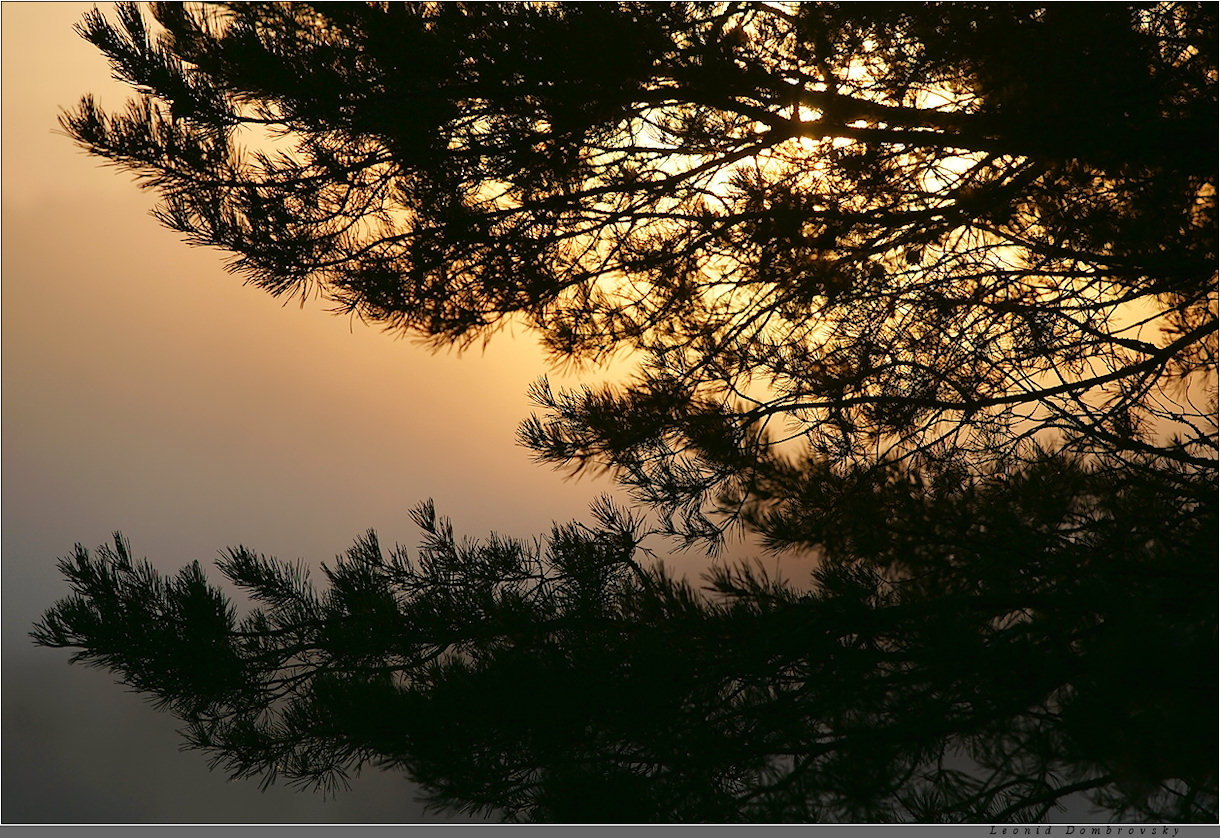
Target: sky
[148,391]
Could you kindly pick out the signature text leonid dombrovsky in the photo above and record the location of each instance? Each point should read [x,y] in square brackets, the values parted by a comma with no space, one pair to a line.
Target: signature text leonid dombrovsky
[1052,829]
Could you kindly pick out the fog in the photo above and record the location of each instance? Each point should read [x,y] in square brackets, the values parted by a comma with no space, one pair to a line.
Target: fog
[147,390]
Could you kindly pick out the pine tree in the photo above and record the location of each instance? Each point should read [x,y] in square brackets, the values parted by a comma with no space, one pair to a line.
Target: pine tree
[926,290]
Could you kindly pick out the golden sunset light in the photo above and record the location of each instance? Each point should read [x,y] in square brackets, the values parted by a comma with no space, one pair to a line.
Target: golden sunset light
[145,389]
[613,412]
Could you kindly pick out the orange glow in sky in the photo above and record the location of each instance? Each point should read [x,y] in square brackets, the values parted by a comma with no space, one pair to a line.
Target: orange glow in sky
[147,390]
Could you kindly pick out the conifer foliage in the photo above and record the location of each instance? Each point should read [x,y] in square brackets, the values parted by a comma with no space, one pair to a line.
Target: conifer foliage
[925,290]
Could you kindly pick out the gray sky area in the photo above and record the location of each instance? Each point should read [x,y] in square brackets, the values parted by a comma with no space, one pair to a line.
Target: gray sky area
[146,390]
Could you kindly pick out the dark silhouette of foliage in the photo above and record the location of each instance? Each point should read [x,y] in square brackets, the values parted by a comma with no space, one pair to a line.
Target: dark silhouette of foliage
[564,681]
[927,289]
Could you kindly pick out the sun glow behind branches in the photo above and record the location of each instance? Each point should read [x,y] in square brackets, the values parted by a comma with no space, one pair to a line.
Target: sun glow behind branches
[723,291]
[1155,418]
